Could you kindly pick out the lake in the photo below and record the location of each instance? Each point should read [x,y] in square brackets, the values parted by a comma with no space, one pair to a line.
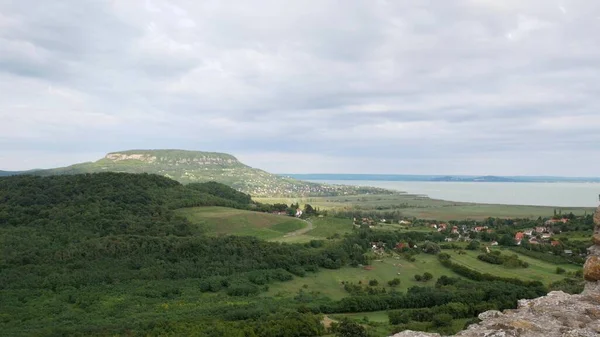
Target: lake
[537,194]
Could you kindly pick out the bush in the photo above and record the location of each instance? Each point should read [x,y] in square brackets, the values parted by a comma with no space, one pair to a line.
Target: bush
[441,320]
[373,283]
[444,256]
[393,283]
[243,290]
[473,245]
[398,317]
[431,248]
[347,328]
[568,285]
[560,270]
[418,277]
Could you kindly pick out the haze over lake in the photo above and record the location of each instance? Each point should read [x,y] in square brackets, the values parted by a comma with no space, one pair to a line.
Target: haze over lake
[537,194]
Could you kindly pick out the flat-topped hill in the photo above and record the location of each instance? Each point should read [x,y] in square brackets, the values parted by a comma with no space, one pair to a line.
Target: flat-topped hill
[196,166]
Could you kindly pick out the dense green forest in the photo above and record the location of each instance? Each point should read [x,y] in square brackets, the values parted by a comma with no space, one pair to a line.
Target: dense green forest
[104,254]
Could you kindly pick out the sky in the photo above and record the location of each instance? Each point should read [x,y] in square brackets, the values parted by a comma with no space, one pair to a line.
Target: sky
[506,87]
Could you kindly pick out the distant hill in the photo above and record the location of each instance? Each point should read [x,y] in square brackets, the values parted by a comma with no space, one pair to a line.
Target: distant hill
[195,166]
[8,173]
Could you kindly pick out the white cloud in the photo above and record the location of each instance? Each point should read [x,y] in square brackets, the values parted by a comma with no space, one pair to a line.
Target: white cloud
[411,86]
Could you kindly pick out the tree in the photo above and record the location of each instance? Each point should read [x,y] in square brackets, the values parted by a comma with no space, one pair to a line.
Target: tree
[506,240]
[347,328]
[427,276]
[373,283]
[431,248]
[309,210]
[473,245]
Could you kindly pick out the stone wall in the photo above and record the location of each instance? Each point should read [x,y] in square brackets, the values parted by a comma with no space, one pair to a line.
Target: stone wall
[555,315]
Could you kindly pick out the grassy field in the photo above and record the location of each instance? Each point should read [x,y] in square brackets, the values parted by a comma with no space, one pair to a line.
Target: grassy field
[322,228]
[222,220]
[425,208]
[328,282]
[537,271]
[575,236]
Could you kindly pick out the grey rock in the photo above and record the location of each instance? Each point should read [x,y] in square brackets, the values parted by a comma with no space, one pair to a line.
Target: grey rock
[490,314]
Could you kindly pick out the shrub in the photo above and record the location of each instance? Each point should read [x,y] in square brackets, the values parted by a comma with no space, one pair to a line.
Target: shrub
[440,320]
[393,283]
[347,328]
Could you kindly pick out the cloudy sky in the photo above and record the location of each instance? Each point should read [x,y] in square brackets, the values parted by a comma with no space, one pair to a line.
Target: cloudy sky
[435,87]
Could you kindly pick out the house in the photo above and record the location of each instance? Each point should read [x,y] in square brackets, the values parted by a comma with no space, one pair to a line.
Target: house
[568,252]
[298,213]
[540,229]
[400,245]
[442,227]
[455,229]
[528,231]
[534,241]
[555,221]
[555,243]
[546,236]
[404,222]
[434,226]
[494,243]
[519,237]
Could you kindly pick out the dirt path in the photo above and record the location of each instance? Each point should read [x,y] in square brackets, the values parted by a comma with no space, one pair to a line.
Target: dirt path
[304,230]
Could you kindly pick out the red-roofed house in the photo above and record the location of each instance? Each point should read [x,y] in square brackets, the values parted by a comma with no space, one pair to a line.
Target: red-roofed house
[519,237]
[555,243]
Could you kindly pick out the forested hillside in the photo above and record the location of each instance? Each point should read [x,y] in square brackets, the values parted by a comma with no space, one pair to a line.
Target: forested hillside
[105,254]
[69,242]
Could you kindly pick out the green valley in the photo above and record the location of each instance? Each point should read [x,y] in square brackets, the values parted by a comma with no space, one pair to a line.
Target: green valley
[110,254]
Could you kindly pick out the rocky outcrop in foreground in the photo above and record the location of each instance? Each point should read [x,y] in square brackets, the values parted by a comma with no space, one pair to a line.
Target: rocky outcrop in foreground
[555,315]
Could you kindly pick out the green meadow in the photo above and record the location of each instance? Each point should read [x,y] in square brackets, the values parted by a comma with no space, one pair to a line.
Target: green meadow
[537,271]
[329,282]
[229,221]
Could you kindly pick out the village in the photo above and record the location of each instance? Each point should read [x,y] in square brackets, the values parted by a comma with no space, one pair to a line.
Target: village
[543,234]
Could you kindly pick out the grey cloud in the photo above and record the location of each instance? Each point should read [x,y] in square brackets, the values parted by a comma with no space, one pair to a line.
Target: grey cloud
[408,84]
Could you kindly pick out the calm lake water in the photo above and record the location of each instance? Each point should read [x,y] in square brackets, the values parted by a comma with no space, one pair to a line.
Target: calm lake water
[539,194]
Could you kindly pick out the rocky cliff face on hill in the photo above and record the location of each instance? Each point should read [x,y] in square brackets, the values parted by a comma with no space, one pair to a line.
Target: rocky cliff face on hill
[555,315]
[195,166]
